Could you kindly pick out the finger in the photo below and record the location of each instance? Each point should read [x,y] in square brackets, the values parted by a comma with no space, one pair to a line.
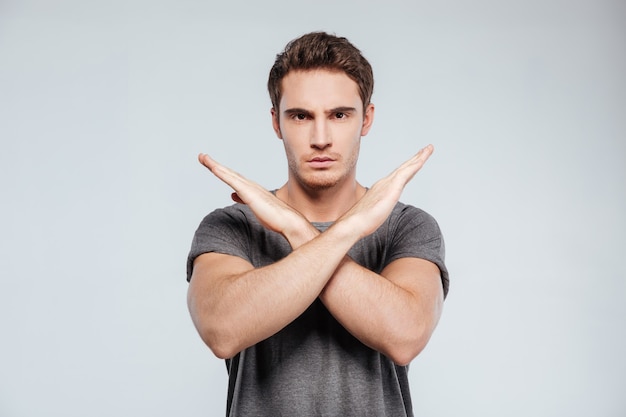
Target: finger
[427,152]
[423,155]
[213,165]
[419,157]
[207,161]
[405,172]
[235,197]
[224,173]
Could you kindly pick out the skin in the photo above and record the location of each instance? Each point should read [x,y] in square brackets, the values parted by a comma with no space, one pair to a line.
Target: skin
[321,118]
[234,305]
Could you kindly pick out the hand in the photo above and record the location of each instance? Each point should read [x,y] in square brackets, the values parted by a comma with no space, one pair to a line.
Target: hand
[376,205]
[272,212]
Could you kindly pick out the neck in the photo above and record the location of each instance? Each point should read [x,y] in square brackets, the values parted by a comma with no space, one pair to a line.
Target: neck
[325,205]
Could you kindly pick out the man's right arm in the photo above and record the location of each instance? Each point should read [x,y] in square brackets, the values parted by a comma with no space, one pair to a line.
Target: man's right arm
[235,305]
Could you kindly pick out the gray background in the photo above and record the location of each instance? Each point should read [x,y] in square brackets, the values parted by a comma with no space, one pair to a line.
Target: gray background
[104,106]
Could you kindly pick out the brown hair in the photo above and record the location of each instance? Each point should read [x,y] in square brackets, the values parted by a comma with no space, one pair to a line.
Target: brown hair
[320,50]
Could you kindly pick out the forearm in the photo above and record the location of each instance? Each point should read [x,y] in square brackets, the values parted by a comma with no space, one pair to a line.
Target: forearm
[238,310]
[242,306]
[377,311]
[380,313]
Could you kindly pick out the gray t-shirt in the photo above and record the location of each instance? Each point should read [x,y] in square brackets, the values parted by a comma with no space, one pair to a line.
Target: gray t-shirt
[313,366]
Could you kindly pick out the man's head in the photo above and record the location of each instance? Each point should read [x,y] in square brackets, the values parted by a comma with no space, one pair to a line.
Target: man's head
[319,50]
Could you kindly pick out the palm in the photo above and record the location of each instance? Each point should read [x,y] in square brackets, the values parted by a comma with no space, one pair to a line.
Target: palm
[370,211]
[273,213]
[376,205]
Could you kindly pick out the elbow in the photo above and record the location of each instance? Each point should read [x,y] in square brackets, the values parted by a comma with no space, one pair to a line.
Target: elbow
[216,334]
[218,337]
[223,351]
[412,340]
[402,356]
[401,359]
[222,344]
[406,349]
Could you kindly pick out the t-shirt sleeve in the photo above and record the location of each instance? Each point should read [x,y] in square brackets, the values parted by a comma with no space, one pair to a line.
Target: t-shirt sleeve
[418,235]
[221,231]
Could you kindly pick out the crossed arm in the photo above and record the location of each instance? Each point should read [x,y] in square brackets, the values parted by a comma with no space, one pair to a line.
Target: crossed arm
[235,305]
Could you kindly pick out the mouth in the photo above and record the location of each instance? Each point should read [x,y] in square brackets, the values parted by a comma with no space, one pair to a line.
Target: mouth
[321,159]
[320,162]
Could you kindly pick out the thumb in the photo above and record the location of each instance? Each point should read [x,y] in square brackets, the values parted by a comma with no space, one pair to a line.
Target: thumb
[235,197]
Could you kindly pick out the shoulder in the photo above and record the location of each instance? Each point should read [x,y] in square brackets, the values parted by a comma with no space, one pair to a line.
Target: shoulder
[235,215]
[406,215]
[413,232]
[237,211]
[227,227]
[224,230]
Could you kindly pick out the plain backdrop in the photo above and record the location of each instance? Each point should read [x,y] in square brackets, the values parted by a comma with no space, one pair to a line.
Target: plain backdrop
[104,106]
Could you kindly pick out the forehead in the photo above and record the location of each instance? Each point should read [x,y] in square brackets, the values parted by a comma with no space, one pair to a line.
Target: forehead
[319,88]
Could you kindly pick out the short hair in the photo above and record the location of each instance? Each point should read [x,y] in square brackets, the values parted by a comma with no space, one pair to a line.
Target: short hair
[320,50]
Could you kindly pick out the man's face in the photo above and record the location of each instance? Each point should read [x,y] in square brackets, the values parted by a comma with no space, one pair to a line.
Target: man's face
[321,121]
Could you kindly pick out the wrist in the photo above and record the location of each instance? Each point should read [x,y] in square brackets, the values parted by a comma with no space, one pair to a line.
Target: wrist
[300,232]
[346,229]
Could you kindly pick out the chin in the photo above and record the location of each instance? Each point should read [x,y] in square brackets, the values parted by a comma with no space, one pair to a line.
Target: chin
[320,186]
[320,182]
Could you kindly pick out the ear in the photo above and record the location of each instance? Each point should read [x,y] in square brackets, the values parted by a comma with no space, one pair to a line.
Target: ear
[276,123]
[368,119]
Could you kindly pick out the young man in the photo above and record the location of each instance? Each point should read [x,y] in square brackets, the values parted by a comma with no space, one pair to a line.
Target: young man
[320,293]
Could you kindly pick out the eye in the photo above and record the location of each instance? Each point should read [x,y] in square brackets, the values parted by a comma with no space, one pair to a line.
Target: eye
[340,115]
[299,116]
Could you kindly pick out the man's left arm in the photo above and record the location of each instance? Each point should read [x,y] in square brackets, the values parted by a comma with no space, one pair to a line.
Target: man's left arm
[395,312]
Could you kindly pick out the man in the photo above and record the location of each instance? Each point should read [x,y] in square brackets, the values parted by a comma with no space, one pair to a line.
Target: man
[320,293]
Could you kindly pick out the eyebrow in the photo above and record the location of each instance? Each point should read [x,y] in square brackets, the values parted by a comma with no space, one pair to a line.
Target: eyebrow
[340,109]
[296,110]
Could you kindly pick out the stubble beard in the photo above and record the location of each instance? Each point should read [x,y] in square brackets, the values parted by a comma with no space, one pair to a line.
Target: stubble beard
[321,180]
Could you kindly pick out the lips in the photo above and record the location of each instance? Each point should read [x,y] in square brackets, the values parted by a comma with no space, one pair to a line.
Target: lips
[320,162]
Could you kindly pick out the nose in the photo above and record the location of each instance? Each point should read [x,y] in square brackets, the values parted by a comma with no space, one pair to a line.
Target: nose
[321,135]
